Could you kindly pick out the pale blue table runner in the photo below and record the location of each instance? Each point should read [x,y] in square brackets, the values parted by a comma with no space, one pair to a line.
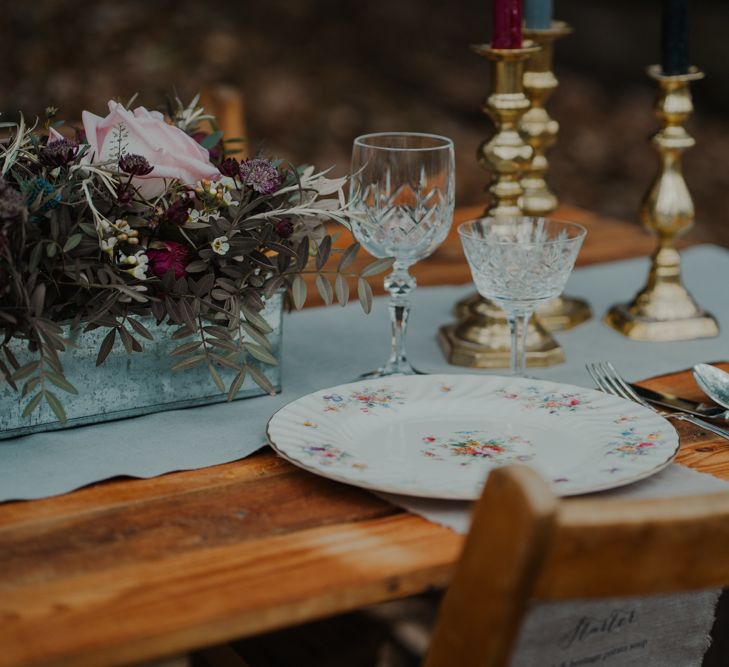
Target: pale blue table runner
[328,346]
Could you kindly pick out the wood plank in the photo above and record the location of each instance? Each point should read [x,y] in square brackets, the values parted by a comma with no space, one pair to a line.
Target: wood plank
[185,600]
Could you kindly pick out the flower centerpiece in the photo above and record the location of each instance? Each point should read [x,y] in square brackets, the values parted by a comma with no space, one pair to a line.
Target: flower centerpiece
[141,226]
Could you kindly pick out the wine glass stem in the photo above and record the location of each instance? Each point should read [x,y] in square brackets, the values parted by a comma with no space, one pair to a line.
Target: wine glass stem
[518,325]
[399,284]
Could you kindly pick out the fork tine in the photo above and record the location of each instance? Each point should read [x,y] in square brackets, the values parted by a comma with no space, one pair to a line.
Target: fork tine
[609,378]
[597,378]
[627,389]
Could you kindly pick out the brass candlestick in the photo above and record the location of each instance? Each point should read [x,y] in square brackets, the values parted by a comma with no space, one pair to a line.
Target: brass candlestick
[540,131]
[482,338]
[664,310]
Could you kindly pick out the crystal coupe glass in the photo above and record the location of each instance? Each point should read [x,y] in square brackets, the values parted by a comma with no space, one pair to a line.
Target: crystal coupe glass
[519,263]
[402,194]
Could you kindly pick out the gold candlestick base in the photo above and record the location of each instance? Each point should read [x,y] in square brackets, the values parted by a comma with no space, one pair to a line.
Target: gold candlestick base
[664,310]
[482,338]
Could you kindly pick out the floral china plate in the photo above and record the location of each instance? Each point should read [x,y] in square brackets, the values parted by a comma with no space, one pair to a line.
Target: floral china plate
[438,436]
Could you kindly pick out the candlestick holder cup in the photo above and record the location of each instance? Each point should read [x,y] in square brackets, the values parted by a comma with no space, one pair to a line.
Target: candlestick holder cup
[664,310]
[482,338]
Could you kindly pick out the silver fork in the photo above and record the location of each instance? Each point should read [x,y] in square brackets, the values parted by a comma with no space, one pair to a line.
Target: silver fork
[610,381]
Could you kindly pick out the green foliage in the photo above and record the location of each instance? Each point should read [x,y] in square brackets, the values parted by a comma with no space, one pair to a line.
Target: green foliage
[80,243]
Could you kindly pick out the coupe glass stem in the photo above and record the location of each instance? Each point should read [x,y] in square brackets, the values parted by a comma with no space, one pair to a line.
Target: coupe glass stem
[399,284]
[518,326]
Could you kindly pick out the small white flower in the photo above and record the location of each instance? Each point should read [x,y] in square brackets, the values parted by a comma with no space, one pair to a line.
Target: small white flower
[220,245]
[107,245]
[227,182]
[137,262]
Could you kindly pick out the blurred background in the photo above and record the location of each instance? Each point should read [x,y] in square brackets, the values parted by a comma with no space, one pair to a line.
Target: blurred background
[316,73]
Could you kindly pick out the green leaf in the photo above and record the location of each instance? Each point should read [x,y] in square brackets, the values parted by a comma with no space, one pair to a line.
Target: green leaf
[106,346]
[185,348]
[29,386]
[216,377]
[378,266]
[51,249]
[348,256]
[261,354]
[72,242]
[323,252]
[256,319]
[140,328]
[190,362]
[236,384]
[35,256]
[24,371]
[61,382]
[56,405]
[127,340]
[32,405]
[325,289]
[341,289]
[212,140]
[364,292]
[261,380]
[298,292]
[256,335]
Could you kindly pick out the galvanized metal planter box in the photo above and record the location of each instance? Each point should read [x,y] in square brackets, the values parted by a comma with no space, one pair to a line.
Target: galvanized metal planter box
[130,385]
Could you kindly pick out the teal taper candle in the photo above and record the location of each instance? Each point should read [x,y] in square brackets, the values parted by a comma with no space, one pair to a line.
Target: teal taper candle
[537,14]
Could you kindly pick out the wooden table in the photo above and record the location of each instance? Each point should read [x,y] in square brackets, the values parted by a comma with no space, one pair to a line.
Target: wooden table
[133,570]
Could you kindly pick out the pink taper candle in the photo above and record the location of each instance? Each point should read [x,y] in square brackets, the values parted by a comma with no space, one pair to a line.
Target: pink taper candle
[507,24]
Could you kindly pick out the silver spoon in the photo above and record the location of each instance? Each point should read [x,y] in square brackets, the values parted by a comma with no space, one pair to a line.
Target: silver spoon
[714,382]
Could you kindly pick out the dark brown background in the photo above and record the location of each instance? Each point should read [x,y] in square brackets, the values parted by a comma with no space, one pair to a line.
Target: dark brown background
[318,72]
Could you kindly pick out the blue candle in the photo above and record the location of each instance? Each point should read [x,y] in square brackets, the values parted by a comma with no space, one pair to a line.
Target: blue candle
[674,37]
[537,14]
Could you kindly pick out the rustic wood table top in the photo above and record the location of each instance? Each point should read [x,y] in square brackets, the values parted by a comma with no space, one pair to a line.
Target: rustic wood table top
[132,570]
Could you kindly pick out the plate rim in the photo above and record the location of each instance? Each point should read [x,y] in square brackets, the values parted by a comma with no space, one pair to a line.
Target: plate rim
[385,488]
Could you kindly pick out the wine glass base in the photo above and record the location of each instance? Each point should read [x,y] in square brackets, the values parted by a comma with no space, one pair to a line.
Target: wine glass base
[388,370]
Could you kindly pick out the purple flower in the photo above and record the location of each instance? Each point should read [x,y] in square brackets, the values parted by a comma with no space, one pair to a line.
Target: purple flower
[178,211]
[58,153]
[135,165]
[230,167]
[285,228]
[11,201]
[173,256]
[260,175]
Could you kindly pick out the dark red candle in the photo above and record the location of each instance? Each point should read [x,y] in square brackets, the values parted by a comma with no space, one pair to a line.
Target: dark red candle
[507,24]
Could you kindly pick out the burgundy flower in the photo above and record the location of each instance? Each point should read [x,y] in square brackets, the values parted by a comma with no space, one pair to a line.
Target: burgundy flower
[173,256]
[58,153]
[230,167]
[260,175]
[285,228]
[135,165]
[178,211]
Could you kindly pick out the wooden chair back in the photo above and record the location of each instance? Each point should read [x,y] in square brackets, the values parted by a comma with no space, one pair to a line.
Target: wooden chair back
[525,544]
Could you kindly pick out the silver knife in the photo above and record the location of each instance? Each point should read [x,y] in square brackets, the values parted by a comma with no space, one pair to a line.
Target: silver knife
[704,410]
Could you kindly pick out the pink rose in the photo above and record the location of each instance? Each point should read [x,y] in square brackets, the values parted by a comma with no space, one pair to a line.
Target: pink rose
[172,153]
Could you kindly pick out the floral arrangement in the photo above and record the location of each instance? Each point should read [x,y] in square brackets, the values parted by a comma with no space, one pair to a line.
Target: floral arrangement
[144,213]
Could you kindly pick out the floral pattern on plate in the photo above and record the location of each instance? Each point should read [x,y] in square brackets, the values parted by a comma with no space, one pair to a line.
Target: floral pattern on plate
[329,455]
[366,400]
[470,446]
[632,444]
[535,398]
